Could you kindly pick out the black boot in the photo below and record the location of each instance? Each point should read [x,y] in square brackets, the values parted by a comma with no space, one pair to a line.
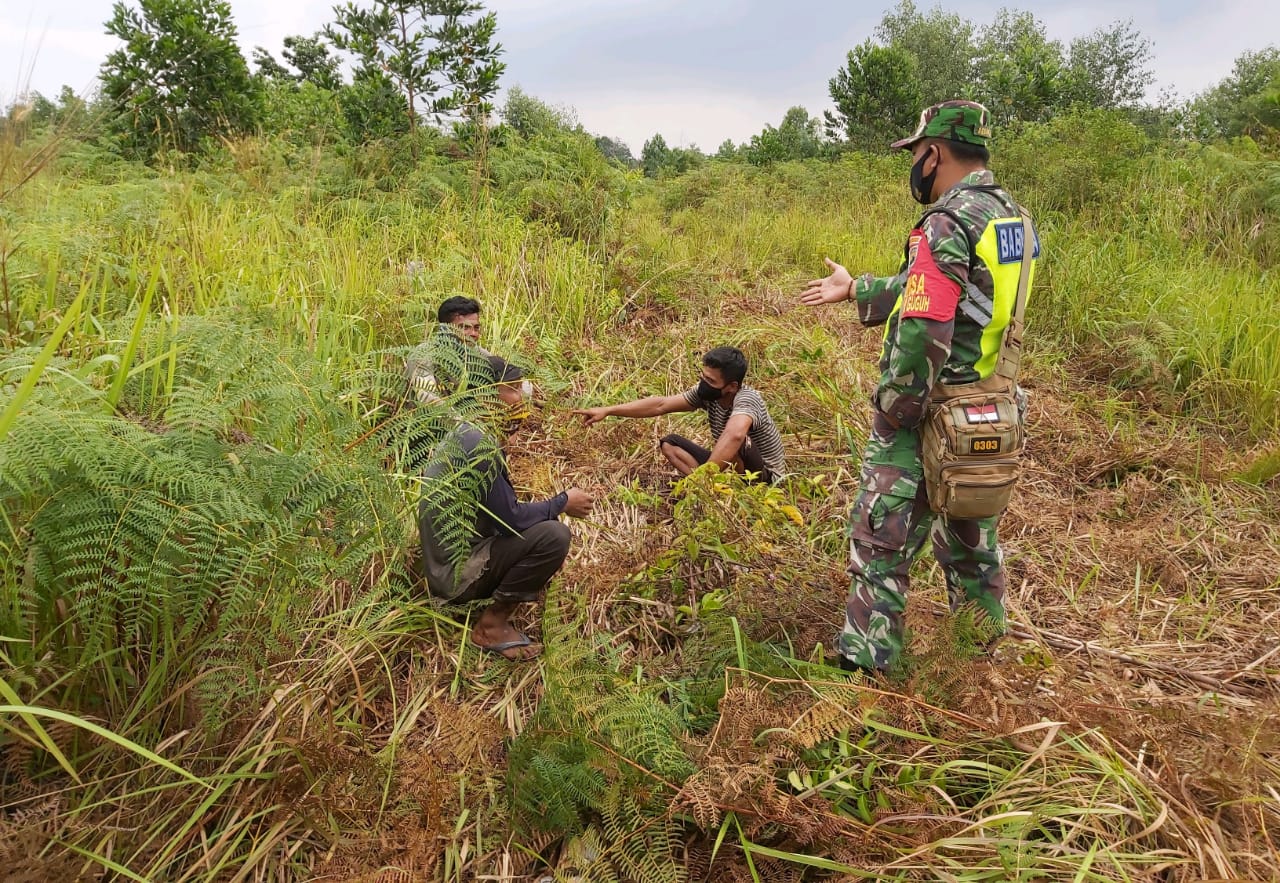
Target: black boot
[847,664]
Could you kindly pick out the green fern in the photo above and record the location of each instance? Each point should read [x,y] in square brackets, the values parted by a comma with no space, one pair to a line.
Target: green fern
[168,537]
[601,750]
[939,667]
[640,846]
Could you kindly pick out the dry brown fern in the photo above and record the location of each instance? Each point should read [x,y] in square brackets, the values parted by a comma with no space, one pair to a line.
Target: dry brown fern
[524,857]
[699,798]
[819,722]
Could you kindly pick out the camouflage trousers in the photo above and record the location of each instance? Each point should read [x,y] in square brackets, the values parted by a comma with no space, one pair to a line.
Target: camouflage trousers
[888,526]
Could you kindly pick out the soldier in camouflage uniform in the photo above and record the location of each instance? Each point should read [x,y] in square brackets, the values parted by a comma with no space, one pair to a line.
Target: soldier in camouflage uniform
[944,314]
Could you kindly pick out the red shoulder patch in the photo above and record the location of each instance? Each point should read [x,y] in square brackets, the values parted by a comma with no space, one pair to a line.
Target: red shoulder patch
[929,293]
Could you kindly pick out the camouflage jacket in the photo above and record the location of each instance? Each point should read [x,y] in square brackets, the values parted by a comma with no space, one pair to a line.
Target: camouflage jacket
[936,307]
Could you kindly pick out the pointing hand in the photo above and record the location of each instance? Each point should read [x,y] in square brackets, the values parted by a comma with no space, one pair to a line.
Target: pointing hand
[591,415]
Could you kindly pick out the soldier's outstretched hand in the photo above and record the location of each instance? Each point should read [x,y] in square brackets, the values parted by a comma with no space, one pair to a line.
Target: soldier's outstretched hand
[830,290]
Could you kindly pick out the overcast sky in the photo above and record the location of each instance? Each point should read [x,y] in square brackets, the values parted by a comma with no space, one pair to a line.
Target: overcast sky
[697,71]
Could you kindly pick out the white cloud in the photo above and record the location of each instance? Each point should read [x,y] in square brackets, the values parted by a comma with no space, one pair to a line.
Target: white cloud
[684,117]
[1199,50]
[267,23]
[35,52]
[82,42]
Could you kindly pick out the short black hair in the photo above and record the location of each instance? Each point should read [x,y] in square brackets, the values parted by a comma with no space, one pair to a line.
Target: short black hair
[729,361]
[504,371]
[456,306]
[964,151]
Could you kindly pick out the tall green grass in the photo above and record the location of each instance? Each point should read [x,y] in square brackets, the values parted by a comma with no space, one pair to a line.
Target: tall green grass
[202,368]
[1165,266]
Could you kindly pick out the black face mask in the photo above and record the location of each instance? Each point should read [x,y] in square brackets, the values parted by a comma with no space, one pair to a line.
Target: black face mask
[922,185]
[707,392]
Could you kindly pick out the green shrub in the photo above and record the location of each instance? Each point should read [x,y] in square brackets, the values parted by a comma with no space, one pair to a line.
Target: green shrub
[1083,161]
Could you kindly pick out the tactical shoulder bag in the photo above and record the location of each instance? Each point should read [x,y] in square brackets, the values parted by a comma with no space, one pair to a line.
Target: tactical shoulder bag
[972,436]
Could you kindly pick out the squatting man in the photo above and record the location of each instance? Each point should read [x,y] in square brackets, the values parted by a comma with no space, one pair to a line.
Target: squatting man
[515,548]
[744,436]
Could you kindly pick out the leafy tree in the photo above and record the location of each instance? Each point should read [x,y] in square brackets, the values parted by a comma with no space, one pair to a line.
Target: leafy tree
[530,116]
[942,44]
[1020,73]
[268,67]
[799,136]
[179,77]
[305,100]
[304,92]
[33,112]
[877,95]
[1010,65]
[727,150]
[1245,103]
[392,46]
[616,150]
[685,159]
[28,114]
[1110,67]
[373,107]
[470,59]
[310,58]
[435,52]
[655,156]
[1165,119]
[306,114]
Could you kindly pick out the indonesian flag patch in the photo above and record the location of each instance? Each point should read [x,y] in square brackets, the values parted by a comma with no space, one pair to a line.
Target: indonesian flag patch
[929,293]
[975,414]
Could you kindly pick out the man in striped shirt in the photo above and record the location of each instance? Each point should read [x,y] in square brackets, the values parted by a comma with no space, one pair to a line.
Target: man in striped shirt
[744,436]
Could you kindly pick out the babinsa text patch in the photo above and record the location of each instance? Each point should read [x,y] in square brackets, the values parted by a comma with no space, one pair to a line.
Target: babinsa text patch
[1009,242]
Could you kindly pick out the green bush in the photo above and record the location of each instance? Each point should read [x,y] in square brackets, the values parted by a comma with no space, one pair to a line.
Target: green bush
[562,179]
[1083,161]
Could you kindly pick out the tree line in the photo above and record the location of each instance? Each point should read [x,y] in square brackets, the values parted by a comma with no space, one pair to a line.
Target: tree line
[1012,65]
[178,79]
[391,69]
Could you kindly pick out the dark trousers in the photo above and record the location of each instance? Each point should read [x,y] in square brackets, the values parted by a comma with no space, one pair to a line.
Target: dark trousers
[519,567]
[750,456]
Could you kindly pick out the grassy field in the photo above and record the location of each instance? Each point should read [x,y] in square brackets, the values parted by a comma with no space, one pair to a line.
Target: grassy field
[214,667]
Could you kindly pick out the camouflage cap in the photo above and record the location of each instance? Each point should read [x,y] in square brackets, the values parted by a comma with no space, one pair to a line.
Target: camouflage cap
[965,121]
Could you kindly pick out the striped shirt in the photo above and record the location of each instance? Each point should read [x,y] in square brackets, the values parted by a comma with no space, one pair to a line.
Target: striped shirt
[763,435]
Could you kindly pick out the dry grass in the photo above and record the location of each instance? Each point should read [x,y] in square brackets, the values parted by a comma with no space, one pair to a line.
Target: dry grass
[1136,712]
[1125,534]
